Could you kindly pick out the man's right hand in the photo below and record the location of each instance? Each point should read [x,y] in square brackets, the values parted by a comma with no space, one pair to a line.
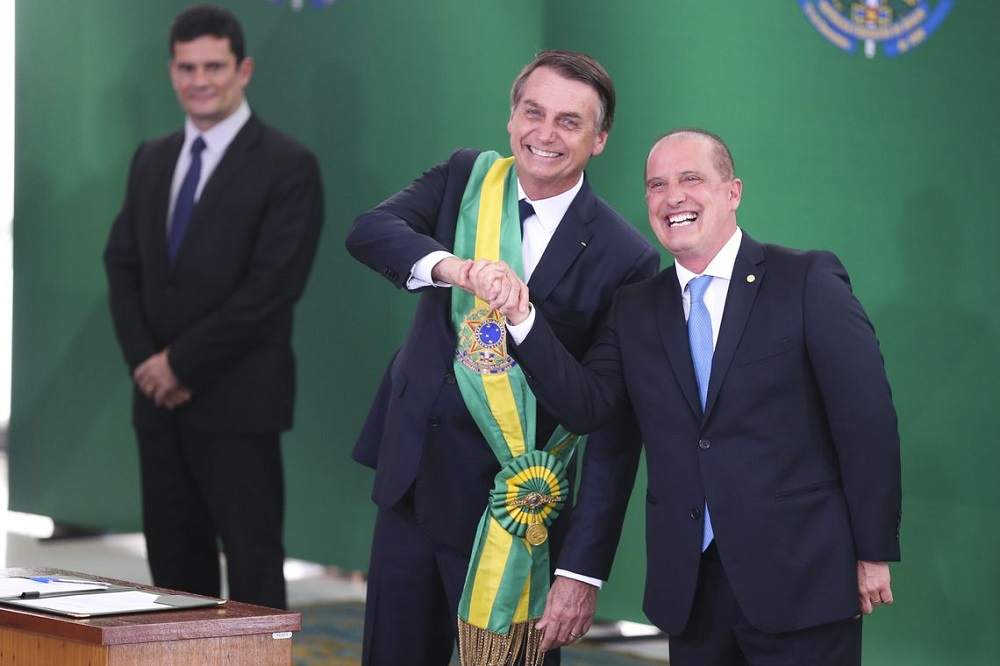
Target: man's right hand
[501,288]
[454,271]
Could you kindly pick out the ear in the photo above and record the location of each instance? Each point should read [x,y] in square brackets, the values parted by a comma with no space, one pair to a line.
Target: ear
[602,139]
[245,71]
[735,193]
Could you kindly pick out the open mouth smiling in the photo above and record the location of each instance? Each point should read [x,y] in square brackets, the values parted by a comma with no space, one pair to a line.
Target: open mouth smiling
[681,219]
[542,153]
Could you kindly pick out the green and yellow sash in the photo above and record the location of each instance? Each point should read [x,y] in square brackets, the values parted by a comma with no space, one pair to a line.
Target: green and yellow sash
[508,578]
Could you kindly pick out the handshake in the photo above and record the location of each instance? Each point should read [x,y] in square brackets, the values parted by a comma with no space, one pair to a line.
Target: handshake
[496,283]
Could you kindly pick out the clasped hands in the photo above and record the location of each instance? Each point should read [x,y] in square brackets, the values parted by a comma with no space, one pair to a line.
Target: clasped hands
[157,381]
[494,282]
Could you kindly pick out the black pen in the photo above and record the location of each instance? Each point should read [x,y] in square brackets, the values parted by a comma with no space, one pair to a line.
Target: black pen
[35,594]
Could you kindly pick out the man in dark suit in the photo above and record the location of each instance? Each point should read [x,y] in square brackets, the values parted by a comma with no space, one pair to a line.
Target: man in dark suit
[205,262]
[774,497]
[434,469]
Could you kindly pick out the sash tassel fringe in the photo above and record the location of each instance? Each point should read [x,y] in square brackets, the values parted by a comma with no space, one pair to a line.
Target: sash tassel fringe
[482,647]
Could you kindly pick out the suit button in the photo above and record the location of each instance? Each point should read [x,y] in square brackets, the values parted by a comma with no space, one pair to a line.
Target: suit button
[449,378]
[696,513]
[434,422]
[704,443]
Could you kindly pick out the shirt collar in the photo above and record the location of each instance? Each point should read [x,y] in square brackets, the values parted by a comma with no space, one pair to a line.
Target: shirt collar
[721,265]
[551,211]
[221,134]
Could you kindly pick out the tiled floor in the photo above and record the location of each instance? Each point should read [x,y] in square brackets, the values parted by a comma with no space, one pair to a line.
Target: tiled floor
[23,543]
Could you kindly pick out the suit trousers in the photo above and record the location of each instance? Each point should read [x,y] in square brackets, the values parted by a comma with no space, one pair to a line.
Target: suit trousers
[719,634]
[414,586]
[202,488]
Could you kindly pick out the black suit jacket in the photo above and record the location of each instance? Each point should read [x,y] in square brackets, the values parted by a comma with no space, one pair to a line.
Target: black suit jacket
[419,432]
[797,452]
[225,307]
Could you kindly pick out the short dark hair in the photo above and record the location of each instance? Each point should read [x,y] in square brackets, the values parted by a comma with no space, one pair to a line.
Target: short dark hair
[202,20]
[577,67]
[722,159]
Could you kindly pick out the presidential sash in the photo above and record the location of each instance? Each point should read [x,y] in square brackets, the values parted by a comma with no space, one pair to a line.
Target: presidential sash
[508,579]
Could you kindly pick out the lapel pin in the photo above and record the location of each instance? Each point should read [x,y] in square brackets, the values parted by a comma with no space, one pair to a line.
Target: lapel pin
[751,278]
[583,243]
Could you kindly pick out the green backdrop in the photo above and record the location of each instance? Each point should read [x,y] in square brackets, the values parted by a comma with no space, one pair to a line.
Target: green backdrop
[890,162]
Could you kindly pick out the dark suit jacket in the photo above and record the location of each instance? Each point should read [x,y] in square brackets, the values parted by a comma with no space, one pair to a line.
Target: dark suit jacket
[225,307]
[797,452]
[419,432]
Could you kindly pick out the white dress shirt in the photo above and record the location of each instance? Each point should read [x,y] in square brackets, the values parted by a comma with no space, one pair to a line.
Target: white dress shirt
[217,139]
[721,270]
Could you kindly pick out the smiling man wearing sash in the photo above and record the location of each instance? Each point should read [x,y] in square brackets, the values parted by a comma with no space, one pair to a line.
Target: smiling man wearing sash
[472,478]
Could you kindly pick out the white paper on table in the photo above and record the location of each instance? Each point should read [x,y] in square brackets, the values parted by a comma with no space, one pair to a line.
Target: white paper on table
[106,603]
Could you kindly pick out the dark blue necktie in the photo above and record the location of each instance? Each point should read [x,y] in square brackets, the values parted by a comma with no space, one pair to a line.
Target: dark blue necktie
[185,200]
[700,338]
[526,210]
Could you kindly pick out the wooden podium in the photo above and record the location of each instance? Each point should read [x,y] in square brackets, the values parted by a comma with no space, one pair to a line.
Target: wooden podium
[233,634]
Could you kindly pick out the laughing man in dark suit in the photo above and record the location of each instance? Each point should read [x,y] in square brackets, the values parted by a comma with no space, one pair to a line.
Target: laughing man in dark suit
[773,502]
[205,262]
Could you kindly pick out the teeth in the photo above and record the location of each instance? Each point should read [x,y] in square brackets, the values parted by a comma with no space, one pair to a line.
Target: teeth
[681,218]
[543,153]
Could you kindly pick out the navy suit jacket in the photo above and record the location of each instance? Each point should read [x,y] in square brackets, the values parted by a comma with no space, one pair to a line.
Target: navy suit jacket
[224,308]
[419,433]
[797,451]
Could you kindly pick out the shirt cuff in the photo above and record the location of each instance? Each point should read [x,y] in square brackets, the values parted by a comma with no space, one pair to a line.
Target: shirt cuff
[420,274]
[518,332]
[596,582]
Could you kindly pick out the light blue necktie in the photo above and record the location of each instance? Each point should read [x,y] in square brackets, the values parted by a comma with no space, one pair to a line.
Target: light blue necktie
[184,205]
[700,339]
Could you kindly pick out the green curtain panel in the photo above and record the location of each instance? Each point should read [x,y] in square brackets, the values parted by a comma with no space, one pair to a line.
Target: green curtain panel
[887,160]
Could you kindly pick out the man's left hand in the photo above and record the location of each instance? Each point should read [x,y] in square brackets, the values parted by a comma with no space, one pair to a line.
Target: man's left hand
[156,379]
[569,612]
[873,585]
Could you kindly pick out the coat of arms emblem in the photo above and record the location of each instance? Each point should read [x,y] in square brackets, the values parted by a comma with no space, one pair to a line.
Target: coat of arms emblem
[890,26]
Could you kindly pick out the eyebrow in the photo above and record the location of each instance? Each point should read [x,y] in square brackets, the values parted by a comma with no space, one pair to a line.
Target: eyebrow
[195,63]
[561,114]
[686,172]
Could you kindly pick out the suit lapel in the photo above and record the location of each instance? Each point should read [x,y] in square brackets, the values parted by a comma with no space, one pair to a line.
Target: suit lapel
[570,239]
[237,154]
[162,181]
[748,273]
[669,312]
